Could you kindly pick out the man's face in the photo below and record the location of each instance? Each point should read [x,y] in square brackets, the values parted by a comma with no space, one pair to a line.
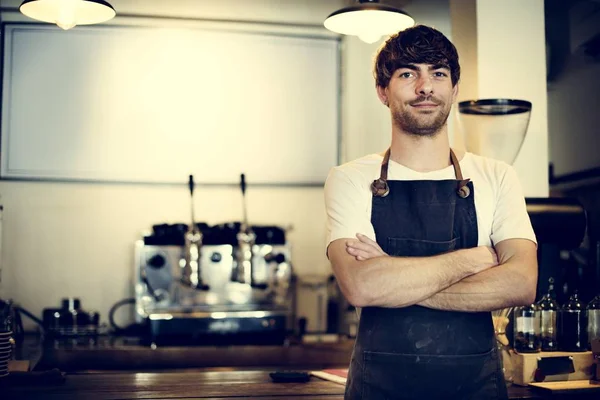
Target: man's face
[420,97]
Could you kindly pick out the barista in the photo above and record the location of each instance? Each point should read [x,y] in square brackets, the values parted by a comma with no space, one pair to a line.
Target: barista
[426,252]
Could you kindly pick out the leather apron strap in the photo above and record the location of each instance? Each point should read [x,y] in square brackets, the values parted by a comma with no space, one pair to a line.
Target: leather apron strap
[462,189]
[380,187]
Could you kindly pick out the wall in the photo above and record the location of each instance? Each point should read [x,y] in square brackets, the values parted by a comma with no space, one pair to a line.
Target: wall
[573,120]
[76,239]
[73,239]
[573,87]
[487,50]
[367,126]
[502,45]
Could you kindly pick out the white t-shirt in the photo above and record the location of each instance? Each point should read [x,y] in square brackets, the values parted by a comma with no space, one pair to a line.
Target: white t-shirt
[499,200]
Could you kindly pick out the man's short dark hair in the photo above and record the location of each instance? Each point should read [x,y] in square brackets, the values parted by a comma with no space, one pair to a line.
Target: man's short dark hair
[416,45]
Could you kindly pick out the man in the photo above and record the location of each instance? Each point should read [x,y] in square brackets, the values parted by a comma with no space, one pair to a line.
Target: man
[427,240]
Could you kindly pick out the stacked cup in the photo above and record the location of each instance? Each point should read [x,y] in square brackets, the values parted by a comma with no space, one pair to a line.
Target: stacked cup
[5,350]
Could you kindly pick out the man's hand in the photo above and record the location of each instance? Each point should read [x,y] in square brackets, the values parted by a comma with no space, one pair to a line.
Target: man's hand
[363,248]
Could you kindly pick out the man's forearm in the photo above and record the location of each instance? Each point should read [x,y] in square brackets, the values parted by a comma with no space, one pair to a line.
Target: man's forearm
[404,281]
[509,284]
[489,290]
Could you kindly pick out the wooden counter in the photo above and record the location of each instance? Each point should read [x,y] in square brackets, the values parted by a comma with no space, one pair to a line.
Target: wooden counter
[118,370]
[220,384]
[118,355]
[175,385]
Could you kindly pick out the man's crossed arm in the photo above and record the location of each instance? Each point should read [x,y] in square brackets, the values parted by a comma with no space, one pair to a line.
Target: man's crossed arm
[476,279]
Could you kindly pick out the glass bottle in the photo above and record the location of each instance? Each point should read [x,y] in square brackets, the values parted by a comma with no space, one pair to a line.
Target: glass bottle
[526,338]
[548,316]
[572,334]
[593,320]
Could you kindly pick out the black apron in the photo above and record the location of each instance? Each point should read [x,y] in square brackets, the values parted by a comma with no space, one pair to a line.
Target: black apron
[417,352]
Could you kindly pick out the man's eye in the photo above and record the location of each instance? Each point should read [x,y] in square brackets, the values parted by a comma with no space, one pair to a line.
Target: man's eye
[440,74]
[406,75]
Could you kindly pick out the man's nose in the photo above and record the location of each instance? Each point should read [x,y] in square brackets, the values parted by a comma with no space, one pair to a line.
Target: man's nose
[424,86]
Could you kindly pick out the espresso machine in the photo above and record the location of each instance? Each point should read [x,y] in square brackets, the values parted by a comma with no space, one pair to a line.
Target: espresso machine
[229,283]
[496,128]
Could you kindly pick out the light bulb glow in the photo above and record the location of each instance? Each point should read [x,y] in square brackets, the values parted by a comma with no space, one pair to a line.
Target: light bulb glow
[67,11]
[369,37]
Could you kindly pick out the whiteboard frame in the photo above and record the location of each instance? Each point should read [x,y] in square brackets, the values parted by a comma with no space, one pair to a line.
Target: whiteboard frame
[6,36]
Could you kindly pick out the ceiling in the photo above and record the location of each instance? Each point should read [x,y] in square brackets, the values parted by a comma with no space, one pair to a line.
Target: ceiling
[303,11]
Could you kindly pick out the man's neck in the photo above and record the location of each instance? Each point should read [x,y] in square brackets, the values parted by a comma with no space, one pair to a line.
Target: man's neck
[421,153]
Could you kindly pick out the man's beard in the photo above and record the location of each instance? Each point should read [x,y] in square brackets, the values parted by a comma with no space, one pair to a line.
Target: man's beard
[416,126]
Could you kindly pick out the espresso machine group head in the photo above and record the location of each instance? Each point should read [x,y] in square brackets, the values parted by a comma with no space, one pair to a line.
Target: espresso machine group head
[191,274]
[246,240]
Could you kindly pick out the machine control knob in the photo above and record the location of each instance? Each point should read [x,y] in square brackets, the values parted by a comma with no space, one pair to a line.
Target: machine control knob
[216,257]
[277,258]
[261,286]
[157,261]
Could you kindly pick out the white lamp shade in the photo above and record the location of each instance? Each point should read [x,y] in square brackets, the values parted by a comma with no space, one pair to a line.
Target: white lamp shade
[68,13]
[368,21]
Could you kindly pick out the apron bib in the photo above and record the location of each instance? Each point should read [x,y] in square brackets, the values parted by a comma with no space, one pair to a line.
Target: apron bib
[417,352]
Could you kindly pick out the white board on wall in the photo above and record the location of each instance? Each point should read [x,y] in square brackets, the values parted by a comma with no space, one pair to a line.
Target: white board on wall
[134,104]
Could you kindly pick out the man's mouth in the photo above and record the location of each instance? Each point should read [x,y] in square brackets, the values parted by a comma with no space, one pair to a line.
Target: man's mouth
[424,104]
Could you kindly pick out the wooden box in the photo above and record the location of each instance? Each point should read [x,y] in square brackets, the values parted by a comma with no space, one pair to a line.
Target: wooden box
[596,352]
[552,367]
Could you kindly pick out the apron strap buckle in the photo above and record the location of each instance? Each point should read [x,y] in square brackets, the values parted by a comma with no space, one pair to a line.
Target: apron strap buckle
[380,188]
[463,190]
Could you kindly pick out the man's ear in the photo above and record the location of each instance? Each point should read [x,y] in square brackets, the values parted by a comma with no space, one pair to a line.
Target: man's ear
[382,94]
[454,93]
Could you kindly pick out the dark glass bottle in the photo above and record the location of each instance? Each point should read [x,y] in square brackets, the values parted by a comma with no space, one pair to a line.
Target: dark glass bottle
[548,317]
[572,335]
[526,338]
[593,320]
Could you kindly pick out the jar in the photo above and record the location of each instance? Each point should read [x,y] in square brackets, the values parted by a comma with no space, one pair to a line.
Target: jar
[593,320]
[548,318]
[526,338]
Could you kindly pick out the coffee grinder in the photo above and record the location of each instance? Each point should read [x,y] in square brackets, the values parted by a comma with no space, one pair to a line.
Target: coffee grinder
[496,128]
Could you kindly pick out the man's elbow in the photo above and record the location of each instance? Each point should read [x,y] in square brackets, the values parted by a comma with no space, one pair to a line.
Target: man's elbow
[350,274]
[354,292]
[353,285]
[358,299]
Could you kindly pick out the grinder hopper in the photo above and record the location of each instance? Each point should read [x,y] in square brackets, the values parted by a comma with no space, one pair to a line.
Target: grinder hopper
[494,128]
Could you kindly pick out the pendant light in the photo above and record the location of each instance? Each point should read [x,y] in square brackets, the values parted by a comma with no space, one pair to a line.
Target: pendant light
[68,13]
[368,20]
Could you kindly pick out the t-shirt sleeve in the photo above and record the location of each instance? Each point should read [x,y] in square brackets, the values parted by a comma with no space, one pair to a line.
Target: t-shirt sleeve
[511,220]
[347,208]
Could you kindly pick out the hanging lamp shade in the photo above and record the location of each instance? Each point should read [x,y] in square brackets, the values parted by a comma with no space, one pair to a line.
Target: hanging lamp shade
[368,20]
[68,13]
